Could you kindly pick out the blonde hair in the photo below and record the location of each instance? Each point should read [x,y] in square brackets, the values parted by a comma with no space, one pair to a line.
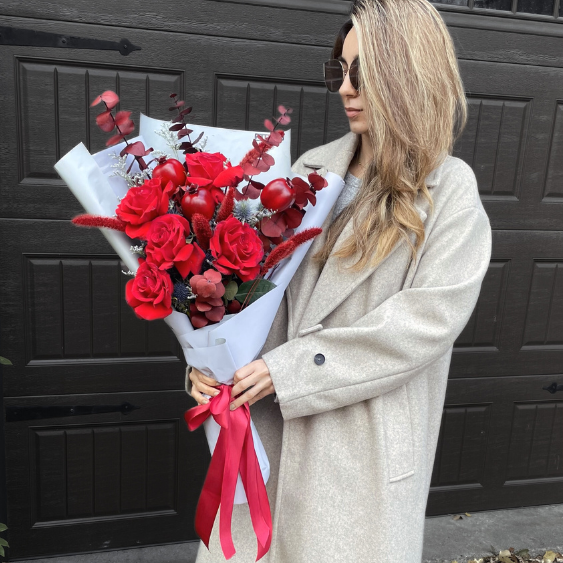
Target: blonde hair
[416,108]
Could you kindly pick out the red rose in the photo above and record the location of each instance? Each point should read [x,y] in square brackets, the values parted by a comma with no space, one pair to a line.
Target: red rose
[237,249]
[167,245]
[208,169]
[142,204]
[150,292]
[204,167]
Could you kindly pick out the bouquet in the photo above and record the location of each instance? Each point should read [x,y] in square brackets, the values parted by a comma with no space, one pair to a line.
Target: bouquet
[210,250]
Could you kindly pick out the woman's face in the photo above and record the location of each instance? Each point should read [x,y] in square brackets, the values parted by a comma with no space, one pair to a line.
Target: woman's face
[351,98]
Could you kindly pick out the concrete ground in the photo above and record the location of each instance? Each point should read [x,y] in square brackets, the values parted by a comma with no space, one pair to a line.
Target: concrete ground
[535,528]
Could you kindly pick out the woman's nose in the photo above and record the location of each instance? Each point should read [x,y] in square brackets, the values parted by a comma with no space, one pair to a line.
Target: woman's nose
[347,89]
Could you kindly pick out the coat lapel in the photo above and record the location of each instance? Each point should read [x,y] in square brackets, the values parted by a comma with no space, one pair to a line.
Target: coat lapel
[335,159]
[315,292]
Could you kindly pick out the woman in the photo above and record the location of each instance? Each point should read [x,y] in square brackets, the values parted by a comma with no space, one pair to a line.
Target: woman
[348,394]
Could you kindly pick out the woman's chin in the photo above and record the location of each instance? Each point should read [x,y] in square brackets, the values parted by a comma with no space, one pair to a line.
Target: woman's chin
[358,128]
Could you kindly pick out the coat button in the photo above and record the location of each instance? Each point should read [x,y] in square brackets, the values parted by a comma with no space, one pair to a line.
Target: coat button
[319,359]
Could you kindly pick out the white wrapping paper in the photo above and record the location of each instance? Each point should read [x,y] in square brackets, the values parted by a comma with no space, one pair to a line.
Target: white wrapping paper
[217,350]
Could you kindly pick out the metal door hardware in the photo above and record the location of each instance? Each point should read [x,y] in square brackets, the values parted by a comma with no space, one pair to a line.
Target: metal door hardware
[14,414]
[33,38]
[553,388]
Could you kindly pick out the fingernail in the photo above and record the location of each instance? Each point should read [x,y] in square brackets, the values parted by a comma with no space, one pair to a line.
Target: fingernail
[205,401]
[215,393]
[232,407]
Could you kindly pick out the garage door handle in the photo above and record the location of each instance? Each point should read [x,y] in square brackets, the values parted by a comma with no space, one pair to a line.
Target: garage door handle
[14,414]
[553,388]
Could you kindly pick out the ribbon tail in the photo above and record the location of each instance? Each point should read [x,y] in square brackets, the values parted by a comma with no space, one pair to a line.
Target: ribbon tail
[256,493]
[210,496]
[235,441]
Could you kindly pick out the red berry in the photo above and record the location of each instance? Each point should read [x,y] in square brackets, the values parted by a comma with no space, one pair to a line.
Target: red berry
[198,200]
[277,195]
[170,170]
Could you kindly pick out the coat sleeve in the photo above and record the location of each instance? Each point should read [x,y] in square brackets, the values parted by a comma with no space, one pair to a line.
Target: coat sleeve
[395,341]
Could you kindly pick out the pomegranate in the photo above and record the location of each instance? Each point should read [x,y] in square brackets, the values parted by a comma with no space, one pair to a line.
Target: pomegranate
[198,200]
[277,195]
[170,170]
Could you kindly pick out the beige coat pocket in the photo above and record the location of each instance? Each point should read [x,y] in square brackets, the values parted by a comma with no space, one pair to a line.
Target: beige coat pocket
[398,434]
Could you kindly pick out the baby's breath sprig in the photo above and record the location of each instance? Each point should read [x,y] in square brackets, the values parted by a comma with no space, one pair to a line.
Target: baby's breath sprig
[138,249]
[121,172]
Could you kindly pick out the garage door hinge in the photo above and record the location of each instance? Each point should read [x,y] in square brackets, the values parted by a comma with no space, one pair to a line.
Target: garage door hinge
[33,38]
[14,414]
[553,388]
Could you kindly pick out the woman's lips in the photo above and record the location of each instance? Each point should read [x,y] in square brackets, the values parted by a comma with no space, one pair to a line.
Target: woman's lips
[352,112]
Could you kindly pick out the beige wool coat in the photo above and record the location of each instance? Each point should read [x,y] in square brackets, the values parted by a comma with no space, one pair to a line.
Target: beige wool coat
[360,365]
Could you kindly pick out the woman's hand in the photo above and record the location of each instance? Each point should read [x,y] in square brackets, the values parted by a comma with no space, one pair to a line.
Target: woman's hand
[254,378]
[202,384]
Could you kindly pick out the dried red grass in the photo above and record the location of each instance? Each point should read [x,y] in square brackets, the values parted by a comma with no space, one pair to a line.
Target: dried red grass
[287,247]
[202,230]
[88,220]
[227,205]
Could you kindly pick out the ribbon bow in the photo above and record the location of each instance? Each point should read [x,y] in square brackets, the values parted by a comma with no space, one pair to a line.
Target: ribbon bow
[234,453]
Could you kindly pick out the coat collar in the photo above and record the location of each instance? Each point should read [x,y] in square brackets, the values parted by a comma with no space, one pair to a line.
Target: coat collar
[318,292]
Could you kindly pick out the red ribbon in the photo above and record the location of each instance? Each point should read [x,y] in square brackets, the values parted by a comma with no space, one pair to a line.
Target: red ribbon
[234,453]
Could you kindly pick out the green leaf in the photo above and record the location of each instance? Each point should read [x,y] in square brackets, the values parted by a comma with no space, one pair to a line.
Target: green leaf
[4,542]
[231,290]
[5,361]
[3,527]
[261,287]
[2,551]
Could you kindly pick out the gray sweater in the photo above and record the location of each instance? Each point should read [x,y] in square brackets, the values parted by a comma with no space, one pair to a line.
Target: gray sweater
[349,191]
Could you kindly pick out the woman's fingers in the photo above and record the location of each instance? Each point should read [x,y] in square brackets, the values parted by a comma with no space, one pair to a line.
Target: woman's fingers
[251,382]
[203,378]
[200,399]
[260,389]
[201,383]
[244,384]
[207,389]
[261,395]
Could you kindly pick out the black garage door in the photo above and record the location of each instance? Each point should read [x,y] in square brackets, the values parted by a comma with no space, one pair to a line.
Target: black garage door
[119,479]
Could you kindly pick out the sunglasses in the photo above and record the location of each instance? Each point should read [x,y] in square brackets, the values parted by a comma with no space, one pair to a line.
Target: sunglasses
[335,74]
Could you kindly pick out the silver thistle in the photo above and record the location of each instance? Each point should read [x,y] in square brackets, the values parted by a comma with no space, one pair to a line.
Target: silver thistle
[247,211]
[244,211]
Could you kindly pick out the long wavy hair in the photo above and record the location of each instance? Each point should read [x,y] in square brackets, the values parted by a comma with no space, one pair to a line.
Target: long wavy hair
[416,108]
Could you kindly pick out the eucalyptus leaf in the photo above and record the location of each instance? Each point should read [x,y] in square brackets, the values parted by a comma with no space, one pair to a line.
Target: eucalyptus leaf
[5,361]
[2,551]
[256,288]
[4,542]
[231,290]
[3,527]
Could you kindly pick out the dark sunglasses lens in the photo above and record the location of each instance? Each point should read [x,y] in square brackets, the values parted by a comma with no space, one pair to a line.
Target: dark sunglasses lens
[354,76]
[333,75]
